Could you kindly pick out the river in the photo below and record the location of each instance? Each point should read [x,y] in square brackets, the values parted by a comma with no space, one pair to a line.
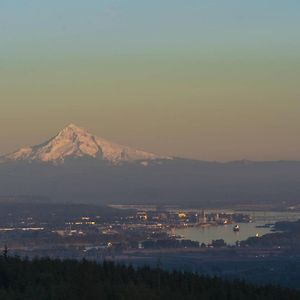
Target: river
[225,232]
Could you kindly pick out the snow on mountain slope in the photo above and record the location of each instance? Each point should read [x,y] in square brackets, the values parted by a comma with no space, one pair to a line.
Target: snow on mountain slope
[75,142]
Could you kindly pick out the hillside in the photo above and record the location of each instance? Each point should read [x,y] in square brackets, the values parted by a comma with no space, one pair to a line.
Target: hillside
[53,279]
[180,182]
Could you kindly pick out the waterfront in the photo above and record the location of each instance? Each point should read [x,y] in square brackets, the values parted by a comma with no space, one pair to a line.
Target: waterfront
[208,233]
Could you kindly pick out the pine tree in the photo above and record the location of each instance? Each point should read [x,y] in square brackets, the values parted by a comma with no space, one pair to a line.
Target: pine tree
[5,252]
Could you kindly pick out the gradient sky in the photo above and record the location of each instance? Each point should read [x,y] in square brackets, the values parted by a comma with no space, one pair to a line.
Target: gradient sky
[205,79]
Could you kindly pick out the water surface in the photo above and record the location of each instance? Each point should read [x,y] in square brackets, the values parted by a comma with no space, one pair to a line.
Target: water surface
[207,234]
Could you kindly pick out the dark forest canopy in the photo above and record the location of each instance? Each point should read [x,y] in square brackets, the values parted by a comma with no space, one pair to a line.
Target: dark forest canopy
[44,279]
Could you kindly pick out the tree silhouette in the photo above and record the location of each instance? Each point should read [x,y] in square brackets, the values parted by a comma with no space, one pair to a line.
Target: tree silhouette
[5,252]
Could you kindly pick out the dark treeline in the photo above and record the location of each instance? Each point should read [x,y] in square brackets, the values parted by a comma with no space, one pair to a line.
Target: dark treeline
[44,279]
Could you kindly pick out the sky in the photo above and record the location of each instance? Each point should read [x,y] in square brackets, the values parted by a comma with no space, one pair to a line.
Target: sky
[202,79]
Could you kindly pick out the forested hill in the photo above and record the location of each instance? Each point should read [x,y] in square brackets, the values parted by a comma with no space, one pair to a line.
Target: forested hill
[63,280]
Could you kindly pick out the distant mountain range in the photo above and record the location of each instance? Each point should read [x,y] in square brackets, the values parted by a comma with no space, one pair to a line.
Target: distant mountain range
[74,142]
[76,166]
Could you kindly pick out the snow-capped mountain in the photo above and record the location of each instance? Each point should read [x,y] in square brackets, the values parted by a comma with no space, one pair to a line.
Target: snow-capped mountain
[76,142]
[117,174]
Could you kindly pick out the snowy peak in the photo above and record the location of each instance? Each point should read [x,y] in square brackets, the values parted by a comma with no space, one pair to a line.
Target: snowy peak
[71,141]
[76,142]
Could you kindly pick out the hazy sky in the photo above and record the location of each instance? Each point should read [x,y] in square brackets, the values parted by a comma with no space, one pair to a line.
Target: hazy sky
[213,80]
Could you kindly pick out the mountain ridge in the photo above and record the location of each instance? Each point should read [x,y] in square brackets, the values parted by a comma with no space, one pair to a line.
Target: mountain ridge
[76,142]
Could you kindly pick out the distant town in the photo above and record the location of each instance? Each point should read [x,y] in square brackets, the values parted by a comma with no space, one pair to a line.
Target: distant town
[142,235]
[127,229]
